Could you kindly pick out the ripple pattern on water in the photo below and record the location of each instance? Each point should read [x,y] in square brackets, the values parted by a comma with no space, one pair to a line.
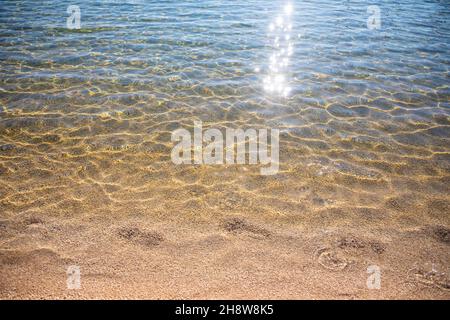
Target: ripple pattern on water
[86,115]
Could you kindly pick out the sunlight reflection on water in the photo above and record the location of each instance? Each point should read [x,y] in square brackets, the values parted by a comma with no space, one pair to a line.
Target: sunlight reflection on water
[276,81]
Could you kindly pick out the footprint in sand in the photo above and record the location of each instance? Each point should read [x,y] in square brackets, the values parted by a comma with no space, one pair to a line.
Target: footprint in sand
[431,275]
[238,225]
[351,242]
[331,260]
[440,233]
[346,250]
[32,220]
[136,235]
[356,243]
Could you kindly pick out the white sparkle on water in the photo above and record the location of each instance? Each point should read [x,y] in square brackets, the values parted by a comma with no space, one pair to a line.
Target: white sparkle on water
[276,82]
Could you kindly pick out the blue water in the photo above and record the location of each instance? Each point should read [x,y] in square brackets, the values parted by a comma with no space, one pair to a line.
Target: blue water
[361,111]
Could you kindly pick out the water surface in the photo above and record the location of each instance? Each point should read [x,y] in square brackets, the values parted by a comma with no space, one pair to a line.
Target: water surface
[86,114]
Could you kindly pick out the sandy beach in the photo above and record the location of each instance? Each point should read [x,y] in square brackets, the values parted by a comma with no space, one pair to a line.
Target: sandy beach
[359,207]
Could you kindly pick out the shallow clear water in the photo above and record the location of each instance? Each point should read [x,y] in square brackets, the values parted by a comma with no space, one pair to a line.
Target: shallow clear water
[86,115]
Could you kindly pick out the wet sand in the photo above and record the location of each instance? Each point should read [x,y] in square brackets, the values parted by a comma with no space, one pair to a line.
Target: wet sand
[206,261]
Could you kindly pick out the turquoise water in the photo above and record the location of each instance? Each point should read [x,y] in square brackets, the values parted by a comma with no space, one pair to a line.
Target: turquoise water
[364,114]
